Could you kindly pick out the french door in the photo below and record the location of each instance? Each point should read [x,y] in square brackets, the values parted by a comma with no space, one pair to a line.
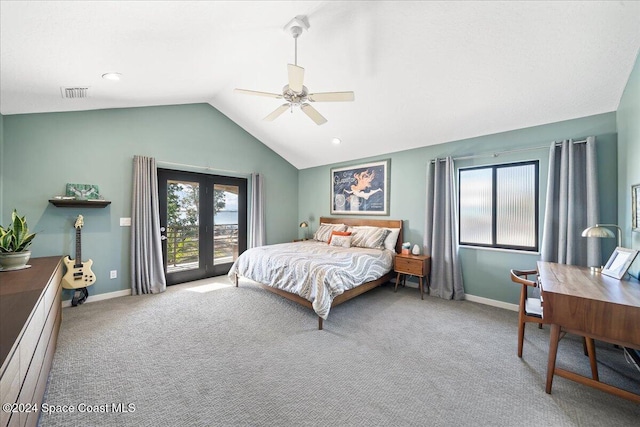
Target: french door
[203,220]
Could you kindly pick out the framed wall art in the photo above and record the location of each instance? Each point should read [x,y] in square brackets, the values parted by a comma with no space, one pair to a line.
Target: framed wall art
[83,191]
[361,189]
[635,207]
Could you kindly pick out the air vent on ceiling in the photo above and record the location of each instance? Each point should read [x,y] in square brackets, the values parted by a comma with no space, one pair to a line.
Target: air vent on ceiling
[74,92]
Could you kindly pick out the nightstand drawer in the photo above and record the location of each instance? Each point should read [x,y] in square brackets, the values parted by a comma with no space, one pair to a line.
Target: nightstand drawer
[410,266]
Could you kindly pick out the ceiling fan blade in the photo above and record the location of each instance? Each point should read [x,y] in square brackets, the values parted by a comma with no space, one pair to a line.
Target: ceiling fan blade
[331,96]
[255,92]
[313,114]
[296,77]
[276,113]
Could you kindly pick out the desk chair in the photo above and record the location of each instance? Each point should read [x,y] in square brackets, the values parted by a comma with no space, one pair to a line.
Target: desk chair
[530,310]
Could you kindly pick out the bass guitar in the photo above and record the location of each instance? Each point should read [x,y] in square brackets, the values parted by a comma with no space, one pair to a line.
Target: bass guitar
[79,274]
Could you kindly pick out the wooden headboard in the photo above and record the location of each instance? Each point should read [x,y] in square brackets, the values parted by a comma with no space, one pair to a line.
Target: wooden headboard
[388,223]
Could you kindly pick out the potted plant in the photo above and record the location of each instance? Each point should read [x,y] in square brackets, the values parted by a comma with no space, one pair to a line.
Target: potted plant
[14,242]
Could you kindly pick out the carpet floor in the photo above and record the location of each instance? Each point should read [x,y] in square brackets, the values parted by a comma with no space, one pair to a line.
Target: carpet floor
[209,354]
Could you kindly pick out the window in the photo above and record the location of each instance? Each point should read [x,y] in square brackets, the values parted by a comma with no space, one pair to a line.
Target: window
[498,206]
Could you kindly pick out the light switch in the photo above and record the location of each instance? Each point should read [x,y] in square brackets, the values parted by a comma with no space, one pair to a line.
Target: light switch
[125,222]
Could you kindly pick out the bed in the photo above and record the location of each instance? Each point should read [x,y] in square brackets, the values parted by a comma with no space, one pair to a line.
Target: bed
[317,275]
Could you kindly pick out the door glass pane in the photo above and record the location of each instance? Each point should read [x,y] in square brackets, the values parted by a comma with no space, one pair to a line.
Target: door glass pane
[475,206]
[225,223]
[516,206]
[183,210]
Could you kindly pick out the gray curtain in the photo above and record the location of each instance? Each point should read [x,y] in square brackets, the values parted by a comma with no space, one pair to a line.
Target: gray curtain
[147,267]
[440,231]
[572,204]
[258,233]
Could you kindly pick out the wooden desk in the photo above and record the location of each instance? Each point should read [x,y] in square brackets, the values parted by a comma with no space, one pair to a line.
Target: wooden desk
[592,305]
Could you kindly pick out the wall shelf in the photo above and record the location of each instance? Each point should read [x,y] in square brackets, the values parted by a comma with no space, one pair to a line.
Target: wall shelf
[61,203]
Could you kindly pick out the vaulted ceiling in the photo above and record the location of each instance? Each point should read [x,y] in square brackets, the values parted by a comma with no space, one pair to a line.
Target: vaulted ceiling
[423,72]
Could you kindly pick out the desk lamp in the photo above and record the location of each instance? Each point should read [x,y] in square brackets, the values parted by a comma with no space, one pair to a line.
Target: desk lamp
[304,225]
[600,231]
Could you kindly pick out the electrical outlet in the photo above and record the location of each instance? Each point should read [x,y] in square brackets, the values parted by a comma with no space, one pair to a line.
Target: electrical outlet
[113,274]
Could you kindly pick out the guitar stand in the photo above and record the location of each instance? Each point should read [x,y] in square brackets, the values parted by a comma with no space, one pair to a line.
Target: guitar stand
[79,296]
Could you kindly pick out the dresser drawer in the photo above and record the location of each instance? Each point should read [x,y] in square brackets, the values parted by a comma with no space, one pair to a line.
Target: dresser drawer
[413,266]
[52,289]
[31,336]
[10,386]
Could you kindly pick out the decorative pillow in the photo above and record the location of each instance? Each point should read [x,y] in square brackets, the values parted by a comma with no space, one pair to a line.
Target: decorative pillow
[340,240]
[324,231]
[338,233]
[369,237]
[389,242]
[392,239]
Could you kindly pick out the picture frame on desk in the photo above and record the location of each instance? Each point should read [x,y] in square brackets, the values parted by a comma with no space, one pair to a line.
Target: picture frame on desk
[619,262]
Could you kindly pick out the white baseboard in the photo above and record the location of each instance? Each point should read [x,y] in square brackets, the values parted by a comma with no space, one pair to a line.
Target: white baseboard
[480,300]
[100,297]
[491,302]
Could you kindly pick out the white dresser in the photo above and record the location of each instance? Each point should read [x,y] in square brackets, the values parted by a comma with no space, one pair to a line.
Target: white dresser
[30,317]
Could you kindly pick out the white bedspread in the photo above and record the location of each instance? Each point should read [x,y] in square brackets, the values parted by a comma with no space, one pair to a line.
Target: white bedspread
[313,270]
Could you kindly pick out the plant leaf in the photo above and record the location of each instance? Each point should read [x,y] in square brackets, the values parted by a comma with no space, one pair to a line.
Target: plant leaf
[26,242]
[16,237]
[5,242]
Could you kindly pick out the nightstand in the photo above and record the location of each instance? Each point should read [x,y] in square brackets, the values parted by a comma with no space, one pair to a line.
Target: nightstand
[413,265]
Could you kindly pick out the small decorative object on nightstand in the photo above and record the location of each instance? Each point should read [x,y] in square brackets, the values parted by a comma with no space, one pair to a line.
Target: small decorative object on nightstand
[413,265]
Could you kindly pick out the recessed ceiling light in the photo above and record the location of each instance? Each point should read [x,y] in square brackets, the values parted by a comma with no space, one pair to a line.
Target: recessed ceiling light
[336,141]
[112,76]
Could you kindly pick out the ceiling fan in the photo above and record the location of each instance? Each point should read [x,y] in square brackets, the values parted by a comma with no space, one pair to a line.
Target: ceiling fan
[295,93]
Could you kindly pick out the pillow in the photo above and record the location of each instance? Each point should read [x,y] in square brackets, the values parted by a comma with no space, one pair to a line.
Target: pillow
[338,233]
[392,239]
[341,240]
[324,231]
[369,237]
[389,242]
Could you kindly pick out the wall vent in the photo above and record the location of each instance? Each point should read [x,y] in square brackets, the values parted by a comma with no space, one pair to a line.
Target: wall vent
[74,92]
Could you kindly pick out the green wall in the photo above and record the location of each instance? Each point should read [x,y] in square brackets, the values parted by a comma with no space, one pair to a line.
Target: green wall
[628,121]
[486,272]
[43,152]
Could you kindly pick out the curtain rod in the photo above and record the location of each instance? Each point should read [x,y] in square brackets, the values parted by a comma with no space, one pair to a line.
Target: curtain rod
[202,167]
[499,153]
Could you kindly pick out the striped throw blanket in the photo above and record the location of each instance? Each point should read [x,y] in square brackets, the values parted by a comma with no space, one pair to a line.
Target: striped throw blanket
[313,270]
